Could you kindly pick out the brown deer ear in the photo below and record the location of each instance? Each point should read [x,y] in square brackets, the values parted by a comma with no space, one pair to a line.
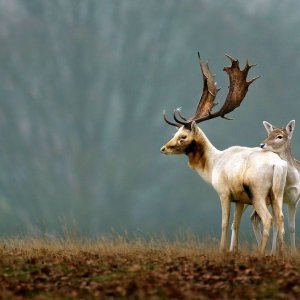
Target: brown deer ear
[269,127]
[290,128]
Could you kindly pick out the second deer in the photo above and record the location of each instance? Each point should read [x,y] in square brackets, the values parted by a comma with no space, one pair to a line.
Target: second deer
[279,141]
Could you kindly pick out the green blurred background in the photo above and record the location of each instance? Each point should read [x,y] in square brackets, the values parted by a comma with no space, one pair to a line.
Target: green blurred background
[82,88]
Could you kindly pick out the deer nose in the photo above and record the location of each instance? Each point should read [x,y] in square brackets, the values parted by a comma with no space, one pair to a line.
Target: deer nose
[262,146]
[163,149]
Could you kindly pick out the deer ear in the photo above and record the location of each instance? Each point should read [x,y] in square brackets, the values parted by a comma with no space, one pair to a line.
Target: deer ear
[269,127]
[290,128]
[194,127]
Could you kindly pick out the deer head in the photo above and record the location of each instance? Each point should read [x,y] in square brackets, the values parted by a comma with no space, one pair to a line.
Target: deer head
[182,142]
[279,139]
[187,128]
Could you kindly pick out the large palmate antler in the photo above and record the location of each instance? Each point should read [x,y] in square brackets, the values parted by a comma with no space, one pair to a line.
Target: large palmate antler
[237,91]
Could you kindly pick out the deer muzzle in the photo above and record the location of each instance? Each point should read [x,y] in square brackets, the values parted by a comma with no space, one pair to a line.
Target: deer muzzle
[163,149]
[263,146]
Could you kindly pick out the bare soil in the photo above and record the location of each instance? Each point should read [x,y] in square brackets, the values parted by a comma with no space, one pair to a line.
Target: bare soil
[117,269]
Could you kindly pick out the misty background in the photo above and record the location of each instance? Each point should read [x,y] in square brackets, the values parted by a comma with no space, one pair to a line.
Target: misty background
[82,88]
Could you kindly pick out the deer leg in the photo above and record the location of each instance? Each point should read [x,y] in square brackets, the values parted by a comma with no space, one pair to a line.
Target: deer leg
[266,218]
[279,178]
[277,212]
[232,239]
[239,209]
[255,220]
[274,239]
[233,232]
[225,204]
[291,219]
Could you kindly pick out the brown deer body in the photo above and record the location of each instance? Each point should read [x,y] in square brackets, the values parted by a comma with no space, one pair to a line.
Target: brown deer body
[238,174]
[279,141]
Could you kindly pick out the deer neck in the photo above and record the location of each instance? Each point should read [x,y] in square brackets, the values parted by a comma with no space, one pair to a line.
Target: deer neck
[202,154]
[288,157]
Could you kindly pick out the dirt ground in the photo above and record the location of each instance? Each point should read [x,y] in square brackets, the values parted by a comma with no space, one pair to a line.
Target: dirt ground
[117,269]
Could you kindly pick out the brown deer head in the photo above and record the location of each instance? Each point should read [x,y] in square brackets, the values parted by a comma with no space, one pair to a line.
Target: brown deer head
[279,139]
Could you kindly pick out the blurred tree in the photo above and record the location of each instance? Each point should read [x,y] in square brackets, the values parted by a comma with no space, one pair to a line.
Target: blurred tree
[83,85]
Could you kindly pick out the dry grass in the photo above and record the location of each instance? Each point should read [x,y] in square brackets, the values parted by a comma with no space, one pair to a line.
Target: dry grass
[157,269]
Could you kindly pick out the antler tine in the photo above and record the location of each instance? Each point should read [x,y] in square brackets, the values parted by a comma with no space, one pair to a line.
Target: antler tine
[178,110]
[169,122]
[181,116]
[177,120]
[233,60]
[249,66]
[238,88]
[253,79]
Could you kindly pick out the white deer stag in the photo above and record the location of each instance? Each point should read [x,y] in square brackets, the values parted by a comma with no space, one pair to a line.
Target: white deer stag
[279,141]
[239,174]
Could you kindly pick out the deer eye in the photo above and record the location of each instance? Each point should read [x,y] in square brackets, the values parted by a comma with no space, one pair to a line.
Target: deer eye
[280,137]
[183,137]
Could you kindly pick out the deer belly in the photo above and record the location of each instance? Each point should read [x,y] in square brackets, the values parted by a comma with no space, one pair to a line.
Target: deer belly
[242,194]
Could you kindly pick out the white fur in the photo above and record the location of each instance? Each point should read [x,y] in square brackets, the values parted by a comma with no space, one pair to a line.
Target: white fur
[228,171]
